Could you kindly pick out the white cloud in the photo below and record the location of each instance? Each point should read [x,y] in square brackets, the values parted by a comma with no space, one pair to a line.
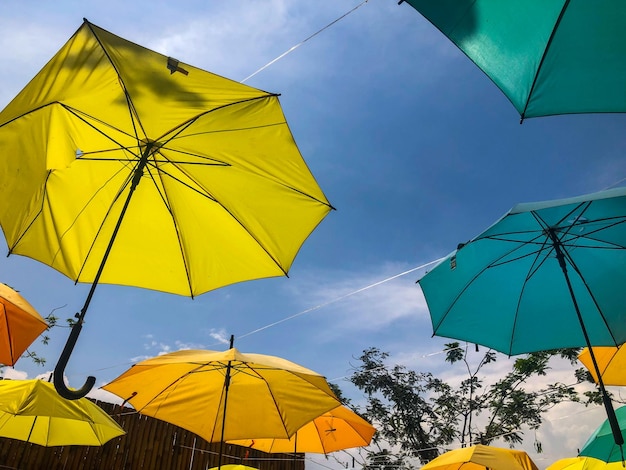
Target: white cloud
[11,373]
[220,335]
[359,301]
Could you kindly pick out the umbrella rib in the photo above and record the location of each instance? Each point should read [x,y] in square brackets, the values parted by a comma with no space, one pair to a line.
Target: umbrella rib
[543,58]
[159,174]
[169,388]
[534,267]
[253,368]
[93,196]
[498,261]
[6,319]
[185,125]
[583,207]
[82,116]
[23,234]
[131,107]
[591,295]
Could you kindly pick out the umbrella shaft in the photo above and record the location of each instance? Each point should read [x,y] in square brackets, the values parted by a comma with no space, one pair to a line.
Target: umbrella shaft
[617,433]
[59,370]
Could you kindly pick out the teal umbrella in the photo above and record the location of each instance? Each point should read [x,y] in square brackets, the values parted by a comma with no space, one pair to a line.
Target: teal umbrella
[547,56]
[547,275]
[600,444]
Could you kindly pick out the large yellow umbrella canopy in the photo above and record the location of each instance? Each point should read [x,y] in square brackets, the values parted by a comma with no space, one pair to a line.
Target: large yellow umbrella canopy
[20,325]
[226,395]
[337,429]
[32,411]
[481,457]
[611,363]
[223,194]
[120,165]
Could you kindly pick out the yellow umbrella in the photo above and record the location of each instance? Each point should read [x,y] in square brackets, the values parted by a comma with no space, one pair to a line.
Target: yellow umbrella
[20,325]
[611,363]
[226,395]
[481,457]
[337,429]
[584,463]
[139,170]
[32,411]
[232,466]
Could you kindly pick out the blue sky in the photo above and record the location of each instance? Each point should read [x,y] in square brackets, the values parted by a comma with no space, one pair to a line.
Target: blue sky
[411,143]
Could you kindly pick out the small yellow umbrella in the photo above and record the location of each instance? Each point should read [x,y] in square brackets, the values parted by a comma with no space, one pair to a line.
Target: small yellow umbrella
[584,463]
[232,466]
[481,457]
[226,395]
[611,363]
[20,325]
[337,429]
[32,411]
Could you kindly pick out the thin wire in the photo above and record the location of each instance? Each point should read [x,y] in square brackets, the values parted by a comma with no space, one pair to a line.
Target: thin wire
[302,42]
[615,184]
[337,299]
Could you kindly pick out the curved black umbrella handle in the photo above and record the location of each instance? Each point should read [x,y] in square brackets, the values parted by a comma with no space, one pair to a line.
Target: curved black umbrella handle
[59,370]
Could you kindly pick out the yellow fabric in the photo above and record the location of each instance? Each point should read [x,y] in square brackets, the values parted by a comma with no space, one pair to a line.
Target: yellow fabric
[232,466]
[480,457]
[584,463]
[32,411]
[611,362]
[225,195]
[20,325]
[337,429]
[268,396]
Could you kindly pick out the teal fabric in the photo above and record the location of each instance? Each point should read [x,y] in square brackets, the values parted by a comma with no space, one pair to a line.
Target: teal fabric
[544,65]
[505,289]
[601,444]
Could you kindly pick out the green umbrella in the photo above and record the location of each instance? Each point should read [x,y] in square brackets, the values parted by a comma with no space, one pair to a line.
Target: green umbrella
[547,275]
[600,444]
[547,56]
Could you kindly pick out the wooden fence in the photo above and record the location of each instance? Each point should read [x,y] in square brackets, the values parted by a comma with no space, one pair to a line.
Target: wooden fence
[149,444]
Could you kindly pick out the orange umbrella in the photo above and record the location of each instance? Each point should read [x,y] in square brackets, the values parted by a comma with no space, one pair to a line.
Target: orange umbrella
[611,363]
[337,429]
[20,324]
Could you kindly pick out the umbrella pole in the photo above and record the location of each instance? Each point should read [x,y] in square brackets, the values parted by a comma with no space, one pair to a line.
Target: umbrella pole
[608,405]
[59,370]
[226,386]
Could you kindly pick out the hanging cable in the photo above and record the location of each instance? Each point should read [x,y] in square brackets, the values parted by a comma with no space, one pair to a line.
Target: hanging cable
[337,299]
[302,42]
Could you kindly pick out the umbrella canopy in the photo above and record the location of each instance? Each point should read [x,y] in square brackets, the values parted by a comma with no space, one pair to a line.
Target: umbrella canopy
[611,362]
[226,395]
[20,325]
[601,445]
[222,193]
[556,57]
[337,429]
[547,275]
[505,288]
[584,463]
[161,176]
[32,411]
[481,457]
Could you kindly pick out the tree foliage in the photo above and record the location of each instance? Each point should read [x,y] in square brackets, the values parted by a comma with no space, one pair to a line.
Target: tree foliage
[416,413]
